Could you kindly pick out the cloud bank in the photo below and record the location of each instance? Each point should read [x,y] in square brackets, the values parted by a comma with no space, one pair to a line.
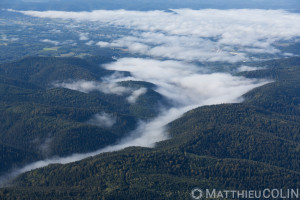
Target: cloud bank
[181,36]
[89,86]
[51,42]
[193,35]
[136,94]
[83,36]
[245,68]
[103,119]
[109,86]
[186,84]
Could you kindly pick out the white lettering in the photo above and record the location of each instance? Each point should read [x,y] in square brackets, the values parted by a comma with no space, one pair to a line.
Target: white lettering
[295,194]
[275,193]
[211,195]
[265,195]
[251,194]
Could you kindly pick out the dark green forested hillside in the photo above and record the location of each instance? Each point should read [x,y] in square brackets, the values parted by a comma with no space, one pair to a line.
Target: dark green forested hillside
[250,145]
[43,70]
[39,121]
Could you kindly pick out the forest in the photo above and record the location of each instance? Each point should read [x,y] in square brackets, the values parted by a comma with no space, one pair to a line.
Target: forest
[250,145]
[39,120]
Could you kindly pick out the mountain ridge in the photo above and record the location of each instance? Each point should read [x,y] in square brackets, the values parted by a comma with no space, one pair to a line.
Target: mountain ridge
[228,146]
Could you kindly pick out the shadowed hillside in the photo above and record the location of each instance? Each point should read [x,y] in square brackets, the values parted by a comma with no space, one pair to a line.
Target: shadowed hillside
[250,145]
[39,120]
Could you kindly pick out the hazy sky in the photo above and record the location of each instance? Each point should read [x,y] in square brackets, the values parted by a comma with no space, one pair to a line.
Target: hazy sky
[88,5]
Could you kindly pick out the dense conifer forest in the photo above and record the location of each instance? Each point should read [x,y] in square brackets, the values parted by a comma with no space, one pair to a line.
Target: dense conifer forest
[254,144]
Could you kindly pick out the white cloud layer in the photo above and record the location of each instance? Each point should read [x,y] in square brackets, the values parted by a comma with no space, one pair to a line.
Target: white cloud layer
[184,84]
[6,39]
[109,86]
[103,119]
[83,36]
[136,94]
[89,43]
[185,35]
[245,68]
[89,86]
[193,35]
[51,42]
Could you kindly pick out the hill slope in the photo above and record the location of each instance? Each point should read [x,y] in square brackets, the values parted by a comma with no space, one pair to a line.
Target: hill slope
[39,120]
[251,145]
